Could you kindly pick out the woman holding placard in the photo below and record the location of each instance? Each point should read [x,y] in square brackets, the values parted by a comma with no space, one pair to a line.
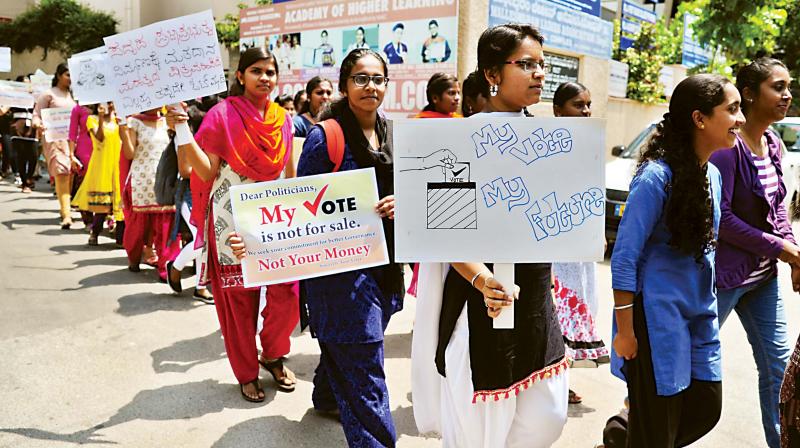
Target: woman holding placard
[498,388]
[575,286]
[666,332]
[350,311]
[59,160]
[244,139]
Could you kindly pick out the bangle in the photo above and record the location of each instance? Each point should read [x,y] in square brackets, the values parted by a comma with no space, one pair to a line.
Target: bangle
[623,307]
[475,277]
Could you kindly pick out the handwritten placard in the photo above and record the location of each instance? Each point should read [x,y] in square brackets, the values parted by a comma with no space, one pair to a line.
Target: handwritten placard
[5,59]
[56,123]
[502,190]
[40,81]
[309,226]
[166,62]
[16,94]
[90,73]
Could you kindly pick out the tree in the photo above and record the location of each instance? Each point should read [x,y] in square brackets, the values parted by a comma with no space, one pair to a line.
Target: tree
[743,29]
[228,27]
[60,25]
[645,61]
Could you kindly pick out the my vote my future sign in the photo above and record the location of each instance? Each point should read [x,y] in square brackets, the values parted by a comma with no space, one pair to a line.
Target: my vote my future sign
[309,226]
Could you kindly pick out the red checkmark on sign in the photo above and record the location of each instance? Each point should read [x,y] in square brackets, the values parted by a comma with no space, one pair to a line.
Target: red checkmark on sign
[313,207]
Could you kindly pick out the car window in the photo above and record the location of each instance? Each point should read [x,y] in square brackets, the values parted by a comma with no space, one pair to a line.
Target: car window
[789,134]
[638,143]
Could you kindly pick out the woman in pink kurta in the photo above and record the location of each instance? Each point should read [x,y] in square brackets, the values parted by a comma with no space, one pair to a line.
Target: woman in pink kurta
[80,146]
[59,160]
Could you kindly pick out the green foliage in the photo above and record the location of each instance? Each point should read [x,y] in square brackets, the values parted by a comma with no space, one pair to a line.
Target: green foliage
[228,27]
[58,25]
[645,59]
[742,28]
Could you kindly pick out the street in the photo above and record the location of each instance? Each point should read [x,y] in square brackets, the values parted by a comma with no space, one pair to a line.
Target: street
[92,353]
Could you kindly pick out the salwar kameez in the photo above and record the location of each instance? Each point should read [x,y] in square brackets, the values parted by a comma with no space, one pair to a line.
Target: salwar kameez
[148,221]
[576,302]
[349,312]
[230,130]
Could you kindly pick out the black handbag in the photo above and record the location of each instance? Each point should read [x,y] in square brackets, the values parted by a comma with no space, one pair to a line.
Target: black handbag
[167,175]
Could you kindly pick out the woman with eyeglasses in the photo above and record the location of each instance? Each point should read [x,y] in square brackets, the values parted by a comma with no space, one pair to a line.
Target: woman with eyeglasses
[505,388]
[244,139]
[755,232]
[350,311]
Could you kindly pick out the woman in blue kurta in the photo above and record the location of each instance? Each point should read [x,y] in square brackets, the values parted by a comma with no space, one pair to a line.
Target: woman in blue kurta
[665,322]
[349,311]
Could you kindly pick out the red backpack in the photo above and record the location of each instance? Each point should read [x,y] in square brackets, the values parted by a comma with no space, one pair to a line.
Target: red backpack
[335,139]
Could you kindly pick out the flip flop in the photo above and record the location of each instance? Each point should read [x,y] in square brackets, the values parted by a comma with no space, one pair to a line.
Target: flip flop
[259,390]
[270,367]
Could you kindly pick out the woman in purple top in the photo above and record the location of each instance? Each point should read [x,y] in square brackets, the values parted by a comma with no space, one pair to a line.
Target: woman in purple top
[755,232]
[80,147]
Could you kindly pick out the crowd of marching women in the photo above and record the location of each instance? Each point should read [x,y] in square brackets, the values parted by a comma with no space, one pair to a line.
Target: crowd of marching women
[704,230]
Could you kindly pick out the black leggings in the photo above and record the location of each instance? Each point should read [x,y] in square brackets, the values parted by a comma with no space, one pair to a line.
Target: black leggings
[26,158]
[665,422]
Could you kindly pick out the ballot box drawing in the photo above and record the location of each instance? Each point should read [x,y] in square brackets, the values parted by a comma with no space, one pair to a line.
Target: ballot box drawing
[452,204]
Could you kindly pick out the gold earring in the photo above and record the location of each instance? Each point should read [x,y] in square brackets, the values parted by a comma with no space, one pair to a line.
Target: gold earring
[702,126]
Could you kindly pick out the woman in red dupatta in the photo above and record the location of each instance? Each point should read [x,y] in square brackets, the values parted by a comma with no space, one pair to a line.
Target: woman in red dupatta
[444,97]
[246,138]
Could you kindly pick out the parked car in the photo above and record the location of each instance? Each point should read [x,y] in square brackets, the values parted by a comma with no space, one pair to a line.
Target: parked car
[620,171]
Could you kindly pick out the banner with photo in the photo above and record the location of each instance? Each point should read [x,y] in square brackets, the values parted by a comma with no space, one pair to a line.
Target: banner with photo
[310,38]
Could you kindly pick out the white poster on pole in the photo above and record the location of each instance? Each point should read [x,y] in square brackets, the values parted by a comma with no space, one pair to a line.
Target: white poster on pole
[56,123]
[617,79]
[502,190]
[90,73]
[16,94]
[5,59]
[164,63]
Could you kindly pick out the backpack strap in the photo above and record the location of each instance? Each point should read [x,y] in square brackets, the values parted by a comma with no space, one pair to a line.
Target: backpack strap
[335,138]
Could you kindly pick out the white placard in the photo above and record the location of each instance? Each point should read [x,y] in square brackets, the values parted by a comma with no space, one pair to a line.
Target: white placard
[56,123]
[502,190]
[5,59]
[90,75]
[618,79]
[16,94]
[166,62]
[667,80]
[40,82]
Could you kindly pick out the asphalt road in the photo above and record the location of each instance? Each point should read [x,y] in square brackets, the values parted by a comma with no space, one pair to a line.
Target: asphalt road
[94,354]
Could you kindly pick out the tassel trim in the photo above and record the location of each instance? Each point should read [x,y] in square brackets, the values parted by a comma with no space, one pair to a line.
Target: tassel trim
[547,372]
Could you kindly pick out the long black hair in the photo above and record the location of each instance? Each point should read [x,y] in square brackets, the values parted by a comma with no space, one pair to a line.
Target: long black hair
[753,74]
[60,70]
[689,215]
[345,70]
[248,58]
[497,44]
[310,87]
[567,91]
[437,85]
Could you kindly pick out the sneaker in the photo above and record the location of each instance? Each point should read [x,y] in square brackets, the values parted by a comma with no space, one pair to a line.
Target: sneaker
[17,181]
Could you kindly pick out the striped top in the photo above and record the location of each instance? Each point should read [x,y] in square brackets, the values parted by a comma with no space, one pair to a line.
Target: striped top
[769,180]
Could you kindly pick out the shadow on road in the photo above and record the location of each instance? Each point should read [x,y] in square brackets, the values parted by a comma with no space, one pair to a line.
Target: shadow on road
[32,222]
[176,402]
[275,431]
[183,355]
[148,302]
[117,277]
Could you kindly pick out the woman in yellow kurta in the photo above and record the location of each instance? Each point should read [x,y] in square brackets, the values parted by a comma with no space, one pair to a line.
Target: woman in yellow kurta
[99,193]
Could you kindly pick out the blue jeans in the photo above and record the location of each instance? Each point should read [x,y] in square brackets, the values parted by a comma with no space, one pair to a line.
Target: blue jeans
[761,311]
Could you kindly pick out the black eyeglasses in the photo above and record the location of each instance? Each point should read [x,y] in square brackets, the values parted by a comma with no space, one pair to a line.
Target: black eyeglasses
[529,65]
[363,80]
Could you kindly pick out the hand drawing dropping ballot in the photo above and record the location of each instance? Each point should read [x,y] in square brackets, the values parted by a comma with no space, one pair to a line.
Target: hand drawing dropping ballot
[500,190]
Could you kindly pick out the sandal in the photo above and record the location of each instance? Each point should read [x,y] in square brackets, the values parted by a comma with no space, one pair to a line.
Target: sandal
[285,383]
[259,392]
[574,398]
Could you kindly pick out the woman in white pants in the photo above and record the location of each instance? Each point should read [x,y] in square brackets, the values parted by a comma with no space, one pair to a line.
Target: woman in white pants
[504,388]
